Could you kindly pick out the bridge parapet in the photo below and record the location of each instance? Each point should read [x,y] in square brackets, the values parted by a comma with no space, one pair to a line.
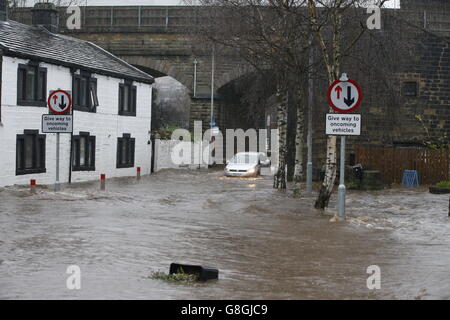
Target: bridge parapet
[180,19]
[148,19]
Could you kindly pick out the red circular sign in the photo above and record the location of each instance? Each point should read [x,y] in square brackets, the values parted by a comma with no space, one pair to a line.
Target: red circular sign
[59,102]
[344,96]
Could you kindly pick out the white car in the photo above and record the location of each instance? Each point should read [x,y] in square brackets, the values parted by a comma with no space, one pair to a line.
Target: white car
[246,164]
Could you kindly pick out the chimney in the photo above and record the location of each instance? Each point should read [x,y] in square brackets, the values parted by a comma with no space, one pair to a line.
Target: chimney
[3,10]
[45,15]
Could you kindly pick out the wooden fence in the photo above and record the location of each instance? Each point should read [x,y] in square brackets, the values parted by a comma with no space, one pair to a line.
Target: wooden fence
[432,165]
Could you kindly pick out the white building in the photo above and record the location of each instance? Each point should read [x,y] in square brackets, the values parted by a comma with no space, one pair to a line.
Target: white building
[112,106]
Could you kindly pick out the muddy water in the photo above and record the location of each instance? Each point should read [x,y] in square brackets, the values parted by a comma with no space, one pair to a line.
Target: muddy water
[266,244]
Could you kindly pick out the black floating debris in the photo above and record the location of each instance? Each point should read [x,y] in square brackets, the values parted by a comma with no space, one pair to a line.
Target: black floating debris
[203,273]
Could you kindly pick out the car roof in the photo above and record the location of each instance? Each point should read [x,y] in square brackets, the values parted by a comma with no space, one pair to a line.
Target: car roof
[250,153]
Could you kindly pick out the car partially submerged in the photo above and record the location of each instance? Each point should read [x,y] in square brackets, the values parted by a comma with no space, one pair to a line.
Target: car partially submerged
[246,164]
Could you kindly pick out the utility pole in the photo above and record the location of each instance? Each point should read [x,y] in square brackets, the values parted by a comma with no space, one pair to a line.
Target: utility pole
[341,189]
[57,185]
[213,65]
[309,165]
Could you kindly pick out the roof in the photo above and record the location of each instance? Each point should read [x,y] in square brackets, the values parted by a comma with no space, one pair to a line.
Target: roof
[30,42]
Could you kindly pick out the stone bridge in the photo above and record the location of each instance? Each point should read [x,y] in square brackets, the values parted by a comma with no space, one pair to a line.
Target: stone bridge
[158,40]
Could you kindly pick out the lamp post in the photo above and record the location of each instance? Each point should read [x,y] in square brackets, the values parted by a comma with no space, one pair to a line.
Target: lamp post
[309,165]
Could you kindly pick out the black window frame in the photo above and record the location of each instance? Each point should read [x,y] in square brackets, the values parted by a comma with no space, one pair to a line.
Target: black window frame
[131,149]
[409,86]
[39,85]
[87,100]
[38,150]
[88,156]
[132,98]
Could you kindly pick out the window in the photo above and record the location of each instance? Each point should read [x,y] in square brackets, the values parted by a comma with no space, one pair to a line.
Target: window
[83,152]
[409,88]
[30,152]
[125,151]
[84,92]
[31,85]
[127,99]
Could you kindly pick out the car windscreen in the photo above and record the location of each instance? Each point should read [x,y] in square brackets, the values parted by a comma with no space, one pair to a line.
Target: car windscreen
[245,159]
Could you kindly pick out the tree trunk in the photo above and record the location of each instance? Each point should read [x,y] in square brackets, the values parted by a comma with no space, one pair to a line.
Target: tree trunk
[330,175]
[290,134]
[333,68]
[279,180]
[299,143]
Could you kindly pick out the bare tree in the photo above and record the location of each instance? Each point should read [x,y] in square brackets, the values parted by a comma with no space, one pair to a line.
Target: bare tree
[329,21]
[269,37]
[274,34]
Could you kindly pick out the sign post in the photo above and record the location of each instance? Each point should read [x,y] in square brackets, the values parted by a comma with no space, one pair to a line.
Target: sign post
[344,96]
[59,120]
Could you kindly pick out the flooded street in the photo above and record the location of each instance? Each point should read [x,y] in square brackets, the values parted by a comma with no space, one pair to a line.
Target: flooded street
[266,244]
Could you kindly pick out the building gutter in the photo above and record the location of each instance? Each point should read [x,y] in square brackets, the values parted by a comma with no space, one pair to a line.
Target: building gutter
[118,75]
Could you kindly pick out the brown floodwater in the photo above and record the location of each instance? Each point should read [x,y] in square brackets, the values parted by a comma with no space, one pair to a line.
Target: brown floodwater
[266,244]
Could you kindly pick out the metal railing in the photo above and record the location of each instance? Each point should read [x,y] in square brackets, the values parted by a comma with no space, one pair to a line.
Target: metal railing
[181,18]
[127,18]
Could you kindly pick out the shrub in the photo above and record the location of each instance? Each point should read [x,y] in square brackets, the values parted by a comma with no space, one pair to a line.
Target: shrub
[180,276]
[443,184]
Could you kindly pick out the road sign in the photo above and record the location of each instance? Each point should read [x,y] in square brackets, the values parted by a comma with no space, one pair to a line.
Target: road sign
[52,123]
[343,124]
[344,95]
[59,102]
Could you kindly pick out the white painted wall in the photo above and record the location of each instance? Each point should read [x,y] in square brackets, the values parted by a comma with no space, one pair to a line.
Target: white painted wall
[165,149]
[106,125]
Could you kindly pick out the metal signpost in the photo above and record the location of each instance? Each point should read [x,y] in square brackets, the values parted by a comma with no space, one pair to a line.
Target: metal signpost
[58,121]
[344,96]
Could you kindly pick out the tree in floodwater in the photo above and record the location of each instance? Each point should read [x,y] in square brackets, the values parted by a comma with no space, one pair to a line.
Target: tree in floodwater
[331,19]
[279,181]
[299,140]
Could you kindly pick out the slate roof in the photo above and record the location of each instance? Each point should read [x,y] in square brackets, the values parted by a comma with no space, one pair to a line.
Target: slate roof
[30,42]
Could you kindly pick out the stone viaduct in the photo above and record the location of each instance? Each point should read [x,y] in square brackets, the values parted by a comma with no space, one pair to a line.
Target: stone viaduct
[157,40]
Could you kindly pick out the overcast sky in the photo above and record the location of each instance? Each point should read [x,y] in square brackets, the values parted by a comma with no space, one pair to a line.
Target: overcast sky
[390,3]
